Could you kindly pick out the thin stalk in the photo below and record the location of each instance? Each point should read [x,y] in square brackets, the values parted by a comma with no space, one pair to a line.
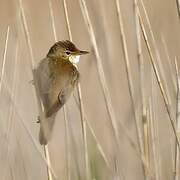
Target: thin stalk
[177,155]
[64,107]
[178,7]
[158,58]
[140,57]
[142,73]
[99,147]
[117,173]
[52,19]
[4,58]
[82,113]
[100,69]
[84,132]
[146,140]
[129,77]
[155,126]
[11,111]
[46,150]
[154,129]
[20,153]
[104,86]
[22,158]
[166,94]
[68,156]
[22,122]
[47,156]
[67,19]
[12,173]
[75,152]
[153,139]
[128,72]
[169,62]
[102,78]
[152,59]
[37,97]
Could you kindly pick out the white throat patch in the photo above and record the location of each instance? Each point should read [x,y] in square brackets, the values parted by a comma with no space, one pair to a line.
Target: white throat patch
[74,59]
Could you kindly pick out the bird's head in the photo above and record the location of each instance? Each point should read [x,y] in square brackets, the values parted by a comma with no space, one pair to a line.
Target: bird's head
[65,50]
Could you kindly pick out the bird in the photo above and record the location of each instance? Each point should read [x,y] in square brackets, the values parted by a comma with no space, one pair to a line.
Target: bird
[55,78]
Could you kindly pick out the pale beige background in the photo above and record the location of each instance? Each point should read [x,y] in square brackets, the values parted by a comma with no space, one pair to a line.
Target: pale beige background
[20,152]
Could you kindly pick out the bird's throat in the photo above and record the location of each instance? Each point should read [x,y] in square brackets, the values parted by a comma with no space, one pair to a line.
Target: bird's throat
[74,59]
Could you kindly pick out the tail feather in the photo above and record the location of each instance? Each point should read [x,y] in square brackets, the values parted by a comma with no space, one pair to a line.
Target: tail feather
[46,129]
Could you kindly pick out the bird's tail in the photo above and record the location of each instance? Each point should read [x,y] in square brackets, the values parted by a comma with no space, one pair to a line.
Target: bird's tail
[46,129]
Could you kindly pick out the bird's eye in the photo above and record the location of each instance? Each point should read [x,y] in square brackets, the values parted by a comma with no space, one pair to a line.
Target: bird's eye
[67,53]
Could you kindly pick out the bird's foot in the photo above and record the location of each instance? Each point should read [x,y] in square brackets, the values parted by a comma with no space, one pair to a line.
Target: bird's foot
[38,119]
[31,82]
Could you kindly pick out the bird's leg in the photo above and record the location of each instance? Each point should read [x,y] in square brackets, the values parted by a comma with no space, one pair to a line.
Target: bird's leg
[38,119]
[31,82]
[62,98]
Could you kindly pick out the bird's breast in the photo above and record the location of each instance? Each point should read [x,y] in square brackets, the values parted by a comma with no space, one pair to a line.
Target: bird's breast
[64,70]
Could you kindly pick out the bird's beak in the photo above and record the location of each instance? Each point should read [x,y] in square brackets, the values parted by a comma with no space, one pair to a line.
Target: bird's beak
[83,52]
[78,53]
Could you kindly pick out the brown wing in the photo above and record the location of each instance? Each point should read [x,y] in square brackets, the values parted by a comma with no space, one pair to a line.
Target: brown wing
[56,81]
[43,81]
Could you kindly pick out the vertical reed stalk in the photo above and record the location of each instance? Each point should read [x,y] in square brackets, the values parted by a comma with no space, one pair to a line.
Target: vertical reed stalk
[4,58]
[64,107]
[178,7]
[158,58]
[169,61]
[146,140]
[100,148]
[153,141]
[177,154]
[155,128]
[142,74]
[101,73]
[129,77]
[12,173]
[21,122]
[158,79]
[82,113]
[46,150]
[100,69]
[104,86]
[11,111]
[52,19]
[128,71]
[68,154]
[47,156]
[22,157]
[37,97]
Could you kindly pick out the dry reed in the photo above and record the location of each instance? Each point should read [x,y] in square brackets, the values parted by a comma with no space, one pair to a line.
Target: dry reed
[169,61]
[4,58]
[148,138]
[82,113]
[177,155]
[178,7]
[153,137]
[104,86]
[11,111]
[36,95]
[158,79]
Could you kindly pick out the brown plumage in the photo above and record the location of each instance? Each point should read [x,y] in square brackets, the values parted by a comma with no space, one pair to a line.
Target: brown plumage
[55,78]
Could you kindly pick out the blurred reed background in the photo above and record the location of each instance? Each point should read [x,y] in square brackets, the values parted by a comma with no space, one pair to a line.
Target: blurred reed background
[123,121]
